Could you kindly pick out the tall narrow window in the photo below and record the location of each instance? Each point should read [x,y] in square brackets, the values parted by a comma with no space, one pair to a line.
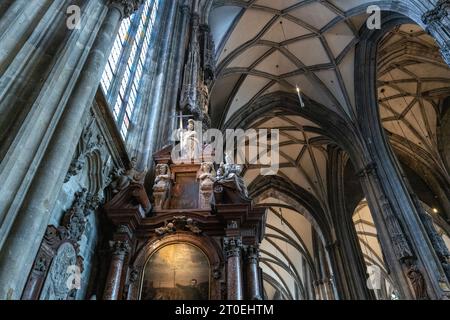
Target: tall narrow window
[121,80]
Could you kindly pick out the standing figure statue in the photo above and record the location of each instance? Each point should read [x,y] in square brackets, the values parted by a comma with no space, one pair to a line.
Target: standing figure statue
[206,178]
[204,98]
[162,186]
[191,149]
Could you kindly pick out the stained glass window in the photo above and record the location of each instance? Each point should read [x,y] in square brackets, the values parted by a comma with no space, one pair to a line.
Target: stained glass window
[121,80]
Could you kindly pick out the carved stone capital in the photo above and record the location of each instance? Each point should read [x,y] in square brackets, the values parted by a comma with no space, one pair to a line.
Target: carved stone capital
[92,202]
[126,7]
[232,247]
[120,248]
[252,254]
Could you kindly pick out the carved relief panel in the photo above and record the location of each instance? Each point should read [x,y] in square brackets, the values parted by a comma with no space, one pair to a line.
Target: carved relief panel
[61,275]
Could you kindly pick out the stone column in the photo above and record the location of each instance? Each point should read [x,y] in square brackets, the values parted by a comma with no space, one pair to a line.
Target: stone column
[17,253]
[416,277]
[173,92]
[114,280]
[438,25]
[253,283]
[390,234]
[437,242]
[232,248]
[154,123]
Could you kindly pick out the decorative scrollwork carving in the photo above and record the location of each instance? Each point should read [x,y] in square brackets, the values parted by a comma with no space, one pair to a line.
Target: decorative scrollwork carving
[120,248]
[180,223]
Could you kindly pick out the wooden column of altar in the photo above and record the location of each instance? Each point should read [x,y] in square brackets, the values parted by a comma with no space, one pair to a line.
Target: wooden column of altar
[192,205]
[253,279]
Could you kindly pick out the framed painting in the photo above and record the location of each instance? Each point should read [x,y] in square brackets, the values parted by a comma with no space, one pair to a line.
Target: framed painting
[185,191]
[179,271]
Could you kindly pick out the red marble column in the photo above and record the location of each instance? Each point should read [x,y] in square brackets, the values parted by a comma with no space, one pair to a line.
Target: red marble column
[113,282]
[253,283]
[232,247]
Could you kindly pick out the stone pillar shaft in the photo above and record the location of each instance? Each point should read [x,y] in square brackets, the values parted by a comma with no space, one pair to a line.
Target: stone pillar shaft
[253,282]
[232,248]
[180,58]
[17,23]
[115,275]
[154,121]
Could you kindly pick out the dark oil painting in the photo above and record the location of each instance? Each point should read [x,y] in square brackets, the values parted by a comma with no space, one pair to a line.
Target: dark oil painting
[176,272]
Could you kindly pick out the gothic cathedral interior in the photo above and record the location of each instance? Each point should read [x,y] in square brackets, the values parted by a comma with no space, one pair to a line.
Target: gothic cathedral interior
[224,150]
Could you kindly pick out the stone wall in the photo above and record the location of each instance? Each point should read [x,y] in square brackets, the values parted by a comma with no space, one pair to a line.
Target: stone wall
[99,153]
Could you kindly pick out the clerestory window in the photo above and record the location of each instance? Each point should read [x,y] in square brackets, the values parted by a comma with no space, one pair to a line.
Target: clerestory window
[122,78]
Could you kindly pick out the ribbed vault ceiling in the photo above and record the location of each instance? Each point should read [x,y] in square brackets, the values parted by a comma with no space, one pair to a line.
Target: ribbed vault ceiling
[412,81]
[269,46]
[286,252]
[273,45]
[302,153]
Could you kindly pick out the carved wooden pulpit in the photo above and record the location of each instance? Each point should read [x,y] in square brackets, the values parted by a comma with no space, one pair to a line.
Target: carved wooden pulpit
[199,241]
